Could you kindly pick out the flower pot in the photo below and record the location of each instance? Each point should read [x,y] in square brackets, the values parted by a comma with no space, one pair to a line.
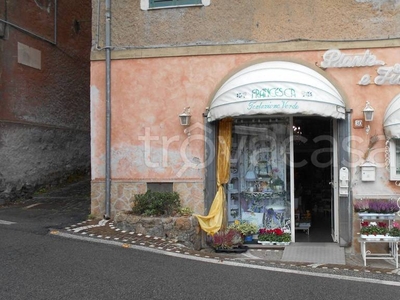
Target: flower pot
[372,237]
[264,243]
[248,238]
[371,216]
[240,249]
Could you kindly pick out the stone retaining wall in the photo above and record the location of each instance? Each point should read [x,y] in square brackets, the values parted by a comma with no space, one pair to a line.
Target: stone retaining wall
[183,229]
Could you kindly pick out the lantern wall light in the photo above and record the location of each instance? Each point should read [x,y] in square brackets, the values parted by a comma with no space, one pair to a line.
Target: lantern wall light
[368,115]
[184,117]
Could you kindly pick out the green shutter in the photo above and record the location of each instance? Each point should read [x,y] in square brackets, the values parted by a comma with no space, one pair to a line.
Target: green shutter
[166,3]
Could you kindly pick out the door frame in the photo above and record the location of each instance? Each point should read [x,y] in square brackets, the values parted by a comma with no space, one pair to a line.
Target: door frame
[334,182]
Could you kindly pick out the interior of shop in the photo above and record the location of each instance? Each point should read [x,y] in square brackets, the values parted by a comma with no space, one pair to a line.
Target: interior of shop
[312,172]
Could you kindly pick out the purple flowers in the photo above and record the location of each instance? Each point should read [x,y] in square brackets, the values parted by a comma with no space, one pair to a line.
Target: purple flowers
[380,206]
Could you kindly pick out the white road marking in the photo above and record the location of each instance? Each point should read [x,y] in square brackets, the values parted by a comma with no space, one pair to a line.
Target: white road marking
[32,205]
[4,222]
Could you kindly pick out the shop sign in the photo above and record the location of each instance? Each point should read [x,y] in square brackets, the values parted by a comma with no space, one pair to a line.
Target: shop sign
[334,58]
[262,105]
[386,75]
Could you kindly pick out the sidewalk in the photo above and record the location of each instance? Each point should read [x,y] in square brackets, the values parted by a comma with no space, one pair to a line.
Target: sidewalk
[75,198]
[105,230]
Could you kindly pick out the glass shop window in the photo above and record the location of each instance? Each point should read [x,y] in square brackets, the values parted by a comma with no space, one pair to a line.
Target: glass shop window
[394,159]
[259,189]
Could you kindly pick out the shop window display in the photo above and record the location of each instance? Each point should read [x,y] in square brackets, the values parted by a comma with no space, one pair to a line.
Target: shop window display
[259,189]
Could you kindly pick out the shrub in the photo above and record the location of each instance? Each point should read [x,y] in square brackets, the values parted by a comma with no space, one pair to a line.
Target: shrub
[244,227]
[156,203]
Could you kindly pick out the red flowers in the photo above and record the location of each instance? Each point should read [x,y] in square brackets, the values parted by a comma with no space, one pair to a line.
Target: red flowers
[276,231]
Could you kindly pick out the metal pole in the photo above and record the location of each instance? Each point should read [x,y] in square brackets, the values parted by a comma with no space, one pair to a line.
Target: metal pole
[108,111]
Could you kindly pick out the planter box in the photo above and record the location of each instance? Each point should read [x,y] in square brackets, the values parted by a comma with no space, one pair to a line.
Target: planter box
[240,249]
[374,216]
[183,229]
[264,243]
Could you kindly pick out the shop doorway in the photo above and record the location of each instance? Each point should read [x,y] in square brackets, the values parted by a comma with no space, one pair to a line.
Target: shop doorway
[313,177]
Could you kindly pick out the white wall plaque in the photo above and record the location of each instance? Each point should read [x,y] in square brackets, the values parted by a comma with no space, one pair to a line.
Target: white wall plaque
[29,56]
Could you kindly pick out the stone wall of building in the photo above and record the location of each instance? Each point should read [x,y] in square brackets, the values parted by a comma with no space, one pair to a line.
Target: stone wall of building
[45,94]
[242,22]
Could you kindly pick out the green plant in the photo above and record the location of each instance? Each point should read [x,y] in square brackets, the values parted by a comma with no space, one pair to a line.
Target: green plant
[244,227]
[373,228]
[156,203]
[274,235]
[395,230]
[185,211]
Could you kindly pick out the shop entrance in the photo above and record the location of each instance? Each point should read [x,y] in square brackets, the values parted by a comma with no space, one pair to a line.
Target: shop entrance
[313,173]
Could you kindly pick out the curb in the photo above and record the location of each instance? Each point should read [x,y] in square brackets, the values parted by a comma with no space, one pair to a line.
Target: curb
[89,231]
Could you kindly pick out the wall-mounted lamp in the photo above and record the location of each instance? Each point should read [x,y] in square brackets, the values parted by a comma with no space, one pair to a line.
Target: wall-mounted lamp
[184,117]
[368,115]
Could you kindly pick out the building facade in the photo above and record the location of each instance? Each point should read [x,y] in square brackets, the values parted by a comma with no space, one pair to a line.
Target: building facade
[293,80]
[44,94]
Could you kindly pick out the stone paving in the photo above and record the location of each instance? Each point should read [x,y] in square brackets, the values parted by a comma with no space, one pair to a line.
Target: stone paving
[106,230]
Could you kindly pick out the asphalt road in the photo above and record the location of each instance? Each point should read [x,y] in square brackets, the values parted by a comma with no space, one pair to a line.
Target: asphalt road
[37,265]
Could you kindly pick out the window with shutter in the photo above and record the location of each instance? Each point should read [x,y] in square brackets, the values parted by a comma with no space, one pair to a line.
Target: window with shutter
[149,4]
[165,3]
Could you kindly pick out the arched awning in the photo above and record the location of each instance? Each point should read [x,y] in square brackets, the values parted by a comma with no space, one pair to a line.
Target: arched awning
[277,87]
[391,121]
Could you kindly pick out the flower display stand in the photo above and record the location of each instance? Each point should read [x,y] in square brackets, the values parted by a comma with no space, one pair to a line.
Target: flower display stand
[376,216]
[392,254]
[393,241]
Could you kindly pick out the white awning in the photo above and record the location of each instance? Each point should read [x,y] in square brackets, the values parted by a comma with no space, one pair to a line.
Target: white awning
[277,87]
[391,121]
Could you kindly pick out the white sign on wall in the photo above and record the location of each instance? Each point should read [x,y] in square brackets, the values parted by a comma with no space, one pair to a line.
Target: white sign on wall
[386,75]
[334,58]
[29,56]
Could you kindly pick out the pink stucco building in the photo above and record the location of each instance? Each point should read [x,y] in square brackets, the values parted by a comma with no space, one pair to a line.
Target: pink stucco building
[294,78]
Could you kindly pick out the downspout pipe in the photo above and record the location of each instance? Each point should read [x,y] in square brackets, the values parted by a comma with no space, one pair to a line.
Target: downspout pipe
[108,112]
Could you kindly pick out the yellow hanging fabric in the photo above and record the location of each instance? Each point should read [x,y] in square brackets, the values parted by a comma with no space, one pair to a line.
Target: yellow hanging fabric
[216,218]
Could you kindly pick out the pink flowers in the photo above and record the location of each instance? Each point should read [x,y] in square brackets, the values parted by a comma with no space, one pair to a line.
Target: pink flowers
[396,225]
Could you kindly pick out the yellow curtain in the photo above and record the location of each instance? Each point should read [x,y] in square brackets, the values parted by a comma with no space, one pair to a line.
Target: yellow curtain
[216,218]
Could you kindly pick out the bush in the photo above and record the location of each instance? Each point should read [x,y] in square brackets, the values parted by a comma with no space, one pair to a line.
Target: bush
[156,203]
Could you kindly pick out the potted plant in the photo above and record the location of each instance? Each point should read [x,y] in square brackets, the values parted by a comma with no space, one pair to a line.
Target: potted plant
[278,236]
[395,230]
[247,229]
[373,229]
[229,240]
[376,208]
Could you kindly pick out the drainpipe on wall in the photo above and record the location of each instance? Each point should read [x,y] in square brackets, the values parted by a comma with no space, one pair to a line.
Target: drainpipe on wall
[108,110]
